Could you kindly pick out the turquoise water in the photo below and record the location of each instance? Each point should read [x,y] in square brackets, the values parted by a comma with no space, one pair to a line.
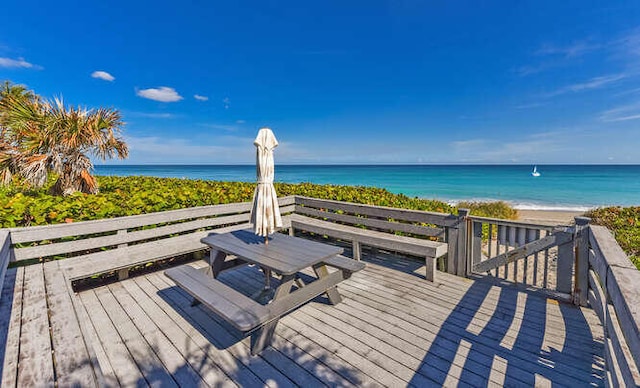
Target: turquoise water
[568,187]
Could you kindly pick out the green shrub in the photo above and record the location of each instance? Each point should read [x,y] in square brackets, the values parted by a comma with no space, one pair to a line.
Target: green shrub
[625,224]
[123,196]
[498,209]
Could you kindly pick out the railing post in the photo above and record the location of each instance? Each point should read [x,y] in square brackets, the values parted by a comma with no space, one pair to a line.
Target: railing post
[475,244]
[462,244]
[564,267]
[581,281]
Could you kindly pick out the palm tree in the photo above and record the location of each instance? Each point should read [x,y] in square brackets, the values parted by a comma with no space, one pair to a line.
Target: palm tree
[47,136]
[10,157]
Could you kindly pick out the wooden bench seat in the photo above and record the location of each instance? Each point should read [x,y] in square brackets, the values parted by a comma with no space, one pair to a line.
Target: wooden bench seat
[428,249]
[242,312]
[121,259]
[346,264]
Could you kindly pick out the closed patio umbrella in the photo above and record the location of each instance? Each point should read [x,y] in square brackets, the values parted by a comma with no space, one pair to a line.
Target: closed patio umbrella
[265,212]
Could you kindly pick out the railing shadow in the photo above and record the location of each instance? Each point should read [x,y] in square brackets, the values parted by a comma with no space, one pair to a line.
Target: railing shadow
[510,350]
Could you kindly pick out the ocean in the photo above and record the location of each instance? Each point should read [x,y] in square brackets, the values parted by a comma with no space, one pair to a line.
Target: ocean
[559,187]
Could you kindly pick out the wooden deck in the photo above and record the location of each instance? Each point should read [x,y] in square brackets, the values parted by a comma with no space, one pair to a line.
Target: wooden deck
[393,329]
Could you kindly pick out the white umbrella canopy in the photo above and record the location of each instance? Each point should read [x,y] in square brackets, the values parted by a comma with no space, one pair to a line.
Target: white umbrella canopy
[265,212]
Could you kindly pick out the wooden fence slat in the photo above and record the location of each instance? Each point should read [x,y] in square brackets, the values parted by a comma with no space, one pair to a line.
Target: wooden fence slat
[623,289]
[502,222]
[523,251]
[626,364]
[124,238]
[564,267]
[461,254]
[581,281]
[476,245]
[597,297]
[612,365]
[371,222]
[379,211]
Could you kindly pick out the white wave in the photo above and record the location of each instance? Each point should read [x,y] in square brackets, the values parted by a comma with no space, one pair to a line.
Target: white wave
[526,205]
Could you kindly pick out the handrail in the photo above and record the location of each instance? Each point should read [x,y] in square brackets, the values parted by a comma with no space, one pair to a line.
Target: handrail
[615,295]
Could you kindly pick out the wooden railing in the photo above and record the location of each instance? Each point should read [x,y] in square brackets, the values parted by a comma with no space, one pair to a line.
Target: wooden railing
[614,293]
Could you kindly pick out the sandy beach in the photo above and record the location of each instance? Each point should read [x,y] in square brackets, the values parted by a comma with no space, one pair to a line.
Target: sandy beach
[550,217]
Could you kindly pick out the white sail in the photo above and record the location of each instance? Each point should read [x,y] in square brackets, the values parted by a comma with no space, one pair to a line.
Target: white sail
[535,171]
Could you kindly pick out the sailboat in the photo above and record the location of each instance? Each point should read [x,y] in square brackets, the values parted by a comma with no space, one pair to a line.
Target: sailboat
[535,171]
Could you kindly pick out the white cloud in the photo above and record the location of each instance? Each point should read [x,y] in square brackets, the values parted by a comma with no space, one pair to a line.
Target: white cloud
[17,63]
[226,102]
[152,115]
[224,127]
[103,75]
[153,149]
[622,113]
[530,105]
[576,49]
[593,83]
[162,94]
[240,121]
[200,98]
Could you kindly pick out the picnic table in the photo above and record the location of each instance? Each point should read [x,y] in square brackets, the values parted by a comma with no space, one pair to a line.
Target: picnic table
[285,256]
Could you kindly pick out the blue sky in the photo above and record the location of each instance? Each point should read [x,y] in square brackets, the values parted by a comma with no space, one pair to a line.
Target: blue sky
[399,81]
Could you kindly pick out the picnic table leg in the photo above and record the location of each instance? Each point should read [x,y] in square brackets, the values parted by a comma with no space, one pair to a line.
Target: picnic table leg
[216,260]
[216,263]
[262,337]
[332,293]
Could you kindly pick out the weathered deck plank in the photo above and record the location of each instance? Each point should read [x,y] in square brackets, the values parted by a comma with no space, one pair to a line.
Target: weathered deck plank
[194,355]
[492,328]
[211,338]
[452,345]
[392,329]
[483,309]
[11,314]
[172,360]
[280,361]
[72,361]
[124,367]
[35,365]
[152,368]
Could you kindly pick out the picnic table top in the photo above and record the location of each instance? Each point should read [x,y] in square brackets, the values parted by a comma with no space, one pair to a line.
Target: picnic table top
[283,254]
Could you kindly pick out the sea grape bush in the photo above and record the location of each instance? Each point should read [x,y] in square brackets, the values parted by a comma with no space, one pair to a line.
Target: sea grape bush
[498,209]
[123,196]
[625,224]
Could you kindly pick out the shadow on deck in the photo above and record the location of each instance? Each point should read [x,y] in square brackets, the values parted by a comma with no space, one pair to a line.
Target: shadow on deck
[393,328]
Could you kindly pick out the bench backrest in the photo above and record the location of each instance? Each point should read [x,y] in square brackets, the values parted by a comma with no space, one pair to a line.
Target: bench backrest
[78,238]
[409,222]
